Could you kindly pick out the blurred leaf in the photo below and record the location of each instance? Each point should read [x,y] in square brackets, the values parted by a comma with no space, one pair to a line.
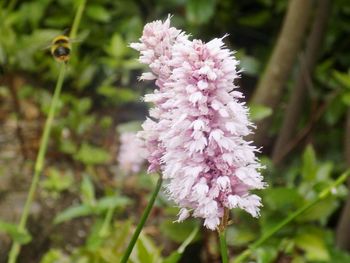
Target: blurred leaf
[73,212]
[255,20]
[266,254]
[98,13]
[117,47]
[320,211]
[58,181]
[259,112]
[131,126]
[117,94]
[342,78]
[282,198]
[335,111]
[312,242]
[22,237]
[250,65]
[176,231]
[309,166]
[89,154]
[145,251]
[200,11]
[240,235]
[107,202]
[176,255]
[55,256]
[346,98]
[83,105]
[87,191]
[324,171]
[68,146]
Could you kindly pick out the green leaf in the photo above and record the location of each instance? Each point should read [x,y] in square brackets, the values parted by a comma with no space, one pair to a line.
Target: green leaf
[73,212]
[176,231]
[117,94]
[87,191]
[83,105]
[342,78]
[22,237]
[320,211]
[57,180]
[68,146]
[309,167]
[255,20]
[200,11]
[346,98]
[117,47]
[250,65]
[90,154]
[259,112]
[54,256]
[312,241]
[266,254]
[145,251]
[107,202]
[282,198]
[241,235]
[98,13]
[174,257]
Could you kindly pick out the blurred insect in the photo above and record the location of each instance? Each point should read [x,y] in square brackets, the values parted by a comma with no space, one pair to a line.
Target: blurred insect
[61,47]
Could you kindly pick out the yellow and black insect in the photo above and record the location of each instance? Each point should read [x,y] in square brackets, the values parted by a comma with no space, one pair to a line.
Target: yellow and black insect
[61,48]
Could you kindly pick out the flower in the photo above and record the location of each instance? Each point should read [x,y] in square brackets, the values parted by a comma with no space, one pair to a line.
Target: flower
[155,47]
[198,127]
[131,153]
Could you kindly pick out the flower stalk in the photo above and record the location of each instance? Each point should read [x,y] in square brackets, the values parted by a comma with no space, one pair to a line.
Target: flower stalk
[142,221]
[222,235]
[321,196]
[39,164]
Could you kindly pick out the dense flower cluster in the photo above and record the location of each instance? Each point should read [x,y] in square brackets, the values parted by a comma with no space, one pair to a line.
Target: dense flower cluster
[198,125]
[155,47]
[130,157]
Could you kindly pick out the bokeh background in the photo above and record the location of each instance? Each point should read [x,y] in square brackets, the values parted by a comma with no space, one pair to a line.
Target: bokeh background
[295,59]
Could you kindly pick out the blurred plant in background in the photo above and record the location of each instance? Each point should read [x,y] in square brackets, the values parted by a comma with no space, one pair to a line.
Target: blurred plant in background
[94,206]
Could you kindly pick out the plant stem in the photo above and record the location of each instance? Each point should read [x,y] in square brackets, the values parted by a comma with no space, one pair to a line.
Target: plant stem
[142,221]
[223,246]
[39,163]
[77,19]
[322,195]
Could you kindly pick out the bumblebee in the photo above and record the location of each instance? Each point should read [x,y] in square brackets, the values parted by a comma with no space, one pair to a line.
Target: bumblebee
[61,48]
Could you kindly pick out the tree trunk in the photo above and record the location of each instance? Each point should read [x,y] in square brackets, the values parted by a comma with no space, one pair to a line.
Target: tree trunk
[280,65]
[299,90]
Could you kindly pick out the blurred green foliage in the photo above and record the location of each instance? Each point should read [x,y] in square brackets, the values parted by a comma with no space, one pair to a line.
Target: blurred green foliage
[102,91]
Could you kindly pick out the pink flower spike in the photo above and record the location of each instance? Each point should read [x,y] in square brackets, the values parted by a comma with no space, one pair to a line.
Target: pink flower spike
[196,134]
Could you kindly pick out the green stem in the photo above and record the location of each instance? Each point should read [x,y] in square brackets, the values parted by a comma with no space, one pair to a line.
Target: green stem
[322,195]
[77,19]
[223,246]
[142,221]
[39,163]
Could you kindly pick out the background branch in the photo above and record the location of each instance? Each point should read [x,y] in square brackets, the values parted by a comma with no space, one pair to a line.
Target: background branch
[343,227]
[299,90]
[270,87]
